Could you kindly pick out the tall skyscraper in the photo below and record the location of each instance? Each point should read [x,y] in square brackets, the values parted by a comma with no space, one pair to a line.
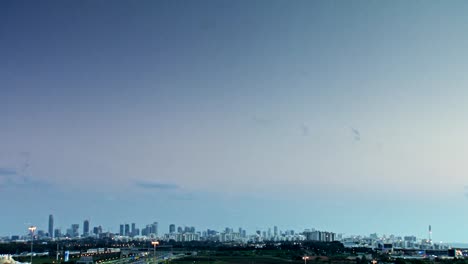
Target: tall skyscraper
[430,234]
[133,232]
[171,228]
[127,230]
[121,233]
[74,230]
[86,228]
[154,228]
[275,231]
[51,226]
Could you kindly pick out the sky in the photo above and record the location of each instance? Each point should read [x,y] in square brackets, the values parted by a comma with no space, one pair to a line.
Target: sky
[345,116]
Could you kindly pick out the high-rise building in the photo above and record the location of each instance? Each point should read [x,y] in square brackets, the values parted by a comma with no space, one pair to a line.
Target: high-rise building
[275,231]
[121,233]
[51,226]
[179,229]
[171,228]
[146,231]
[430,234]
[86,228]
[127,230]
[319,236]
[74,230]
[133,232]
[154,228]
[57,233]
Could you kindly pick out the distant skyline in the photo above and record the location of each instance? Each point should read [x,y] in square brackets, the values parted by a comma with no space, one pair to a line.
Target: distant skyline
[343,116]
[165,229]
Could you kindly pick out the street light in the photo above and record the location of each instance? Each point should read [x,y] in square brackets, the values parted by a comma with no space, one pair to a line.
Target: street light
[32,229]
[154,243]
[305,258]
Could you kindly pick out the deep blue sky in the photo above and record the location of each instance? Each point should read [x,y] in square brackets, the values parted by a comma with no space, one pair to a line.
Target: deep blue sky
[348,116]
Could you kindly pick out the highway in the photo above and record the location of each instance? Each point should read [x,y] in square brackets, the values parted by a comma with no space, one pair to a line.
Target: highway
[161,258]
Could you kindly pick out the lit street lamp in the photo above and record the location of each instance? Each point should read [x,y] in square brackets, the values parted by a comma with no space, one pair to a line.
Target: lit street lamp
[154,243]
[305,258]
[32,229]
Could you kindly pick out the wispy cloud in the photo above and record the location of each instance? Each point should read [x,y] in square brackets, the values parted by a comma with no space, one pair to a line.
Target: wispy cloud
[157,185]
[356,134]
[7,172]
[13,178]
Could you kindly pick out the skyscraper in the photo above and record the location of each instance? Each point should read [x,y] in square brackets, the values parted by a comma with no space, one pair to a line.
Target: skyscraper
[171,228]
[121,233]
[51,226]
[154,228]
[133,231]
[430,234]
[127,230]
[275,231]
[74,230]
[86,228]
[57,233]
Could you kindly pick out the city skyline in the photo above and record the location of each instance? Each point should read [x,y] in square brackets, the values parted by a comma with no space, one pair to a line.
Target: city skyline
[152,231]
[346,116]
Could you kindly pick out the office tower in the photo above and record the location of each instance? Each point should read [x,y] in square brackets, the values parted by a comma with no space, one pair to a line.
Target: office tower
[154,228]
[57,233]
[269,233]
[74,230]
[86,228]
[192,229]
[97,230]
[133,232]
[121,233]
[127,230]
[430,234]
[146,231]
[275,231]
[179,229]
[51,226]
[40,233]
[171,228]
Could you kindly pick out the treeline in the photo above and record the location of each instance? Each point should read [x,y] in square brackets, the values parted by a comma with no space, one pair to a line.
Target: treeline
[51,246]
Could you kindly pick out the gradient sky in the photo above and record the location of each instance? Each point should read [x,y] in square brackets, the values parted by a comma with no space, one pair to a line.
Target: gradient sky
[347,116]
